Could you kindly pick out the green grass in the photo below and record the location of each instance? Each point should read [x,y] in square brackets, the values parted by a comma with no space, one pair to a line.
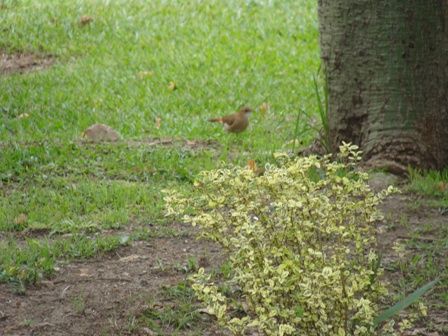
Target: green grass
[434,185]
[220,54]
[425,250]
[27,262]
[431,183]
[116,70]
[72,188]
[178,312]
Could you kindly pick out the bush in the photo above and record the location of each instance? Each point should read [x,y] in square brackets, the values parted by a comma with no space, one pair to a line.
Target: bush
[301,239]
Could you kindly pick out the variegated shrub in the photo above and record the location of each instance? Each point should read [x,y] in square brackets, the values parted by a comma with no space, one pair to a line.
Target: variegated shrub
[301,240]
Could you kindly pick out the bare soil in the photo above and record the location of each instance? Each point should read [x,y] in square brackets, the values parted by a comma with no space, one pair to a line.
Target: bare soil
[23,62]
[106,295]
[408,219]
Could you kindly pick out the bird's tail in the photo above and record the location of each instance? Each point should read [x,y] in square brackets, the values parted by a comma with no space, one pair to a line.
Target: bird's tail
[215,120]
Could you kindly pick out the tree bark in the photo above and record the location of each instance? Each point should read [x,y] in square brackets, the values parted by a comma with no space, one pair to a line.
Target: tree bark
[386,63]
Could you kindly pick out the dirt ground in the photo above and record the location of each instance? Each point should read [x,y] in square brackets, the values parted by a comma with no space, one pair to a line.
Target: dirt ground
[23,62]
[103,296]
[406,219]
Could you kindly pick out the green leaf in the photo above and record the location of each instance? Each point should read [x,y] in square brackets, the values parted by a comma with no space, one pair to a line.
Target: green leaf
[403,304]
[299,311]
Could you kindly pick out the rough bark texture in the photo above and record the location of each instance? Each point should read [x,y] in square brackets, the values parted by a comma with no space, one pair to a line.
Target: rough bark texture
[387,72]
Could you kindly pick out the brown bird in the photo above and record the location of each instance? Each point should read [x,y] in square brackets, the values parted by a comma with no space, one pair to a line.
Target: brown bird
[236,122]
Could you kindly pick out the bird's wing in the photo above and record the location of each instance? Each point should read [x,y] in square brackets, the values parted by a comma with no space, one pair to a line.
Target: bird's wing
[229,119]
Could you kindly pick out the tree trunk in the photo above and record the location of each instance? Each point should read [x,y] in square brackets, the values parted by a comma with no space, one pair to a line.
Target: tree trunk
[387,74]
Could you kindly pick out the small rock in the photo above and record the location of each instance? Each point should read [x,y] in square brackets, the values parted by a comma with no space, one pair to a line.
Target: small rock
[379,181]
[101,133]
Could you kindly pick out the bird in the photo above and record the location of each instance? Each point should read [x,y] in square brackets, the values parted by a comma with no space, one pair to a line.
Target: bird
[236,122]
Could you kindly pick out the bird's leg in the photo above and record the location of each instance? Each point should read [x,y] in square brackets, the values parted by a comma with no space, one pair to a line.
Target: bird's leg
[239,139]
[226,148]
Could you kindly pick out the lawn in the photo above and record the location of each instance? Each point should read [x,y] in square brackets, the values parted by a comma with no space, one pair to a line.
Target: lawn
[152,70]
[117,70]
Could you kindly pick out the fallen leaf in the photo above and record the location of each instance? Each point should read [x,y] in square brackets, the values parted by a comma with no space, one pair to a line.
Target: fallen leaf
[21,219]
[256,170]
[264,109]
[23,116]
[145,74]
[172,86]
[85,20]
[442,186]
[204,311]
[158,122]
[252,165]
